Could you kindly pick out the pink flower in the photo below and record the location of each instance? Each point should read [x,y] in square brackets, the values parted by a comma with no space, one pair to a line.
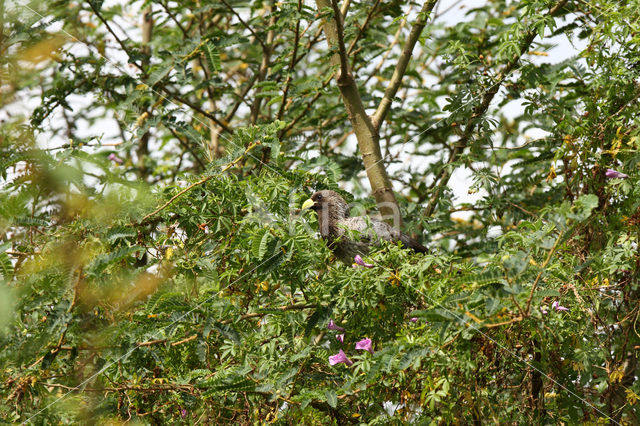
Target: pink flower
[340,338]
[543,309]
[332,326]
[364,345]
[115,158]
[414,319]
[339,358]
[614,174]
[358,261]
[556,305]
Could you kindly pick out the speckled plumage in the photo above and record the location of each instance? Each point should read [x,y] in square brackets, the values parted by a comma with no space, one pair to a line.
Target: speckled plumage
[334,222]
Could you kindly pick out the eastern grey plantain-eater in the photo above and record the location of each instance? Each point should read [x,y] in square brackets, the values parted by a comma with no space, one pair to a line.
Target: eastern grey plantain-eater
[334,221]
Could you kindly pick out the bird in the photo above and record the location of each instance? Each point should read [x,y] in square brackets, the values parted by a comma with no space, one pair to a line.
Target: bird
[335,223]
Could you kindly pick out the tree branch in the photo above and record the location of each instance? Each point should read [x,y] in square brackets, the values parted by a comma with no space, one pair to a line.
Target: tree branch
[147,30]
[368,139]
[542,268]
[401,66]
[165,6]
[267,49]
[339,33]
[137,388]
[188,147]
[362,28]
[298,307]
[241,97]
[285,308]
[72,305]
[294,54]
[120,42]
[396,37]
[195,107]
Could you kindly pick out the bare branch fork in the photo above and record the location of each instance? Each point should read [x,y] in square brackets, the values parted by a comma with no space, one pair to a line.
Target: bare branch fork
[367,128]
[366,134]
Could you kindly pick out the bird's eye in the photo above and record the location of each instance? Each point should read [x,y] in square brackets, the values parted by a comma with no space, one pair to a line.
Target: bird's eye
[319,197]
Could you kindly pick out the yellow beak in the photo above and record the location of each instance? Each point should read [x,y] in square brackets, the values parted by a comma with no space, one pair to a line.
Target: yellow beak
[307,204]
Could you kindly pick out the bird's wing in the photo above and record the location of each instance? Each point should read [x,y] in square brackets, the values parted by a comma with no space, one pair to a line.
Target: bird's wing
[412,244]
[358,224]
[372,230]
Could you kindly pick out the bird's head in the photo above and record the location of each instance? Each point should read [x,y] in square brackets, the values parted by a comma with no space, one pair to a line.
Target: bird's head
[327,202]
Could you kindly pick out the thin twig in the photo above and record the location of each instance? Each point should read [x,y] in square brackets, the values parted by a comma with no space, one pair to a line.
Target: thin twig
[500,324]
[198,109]
[248,27]
[401,66]
[261,314]
[151,342]
[58,346]
[228,321]
[186,146]
[294,54]
[156,388]
[185,340]
[120,42]
[166,8]
[362,28]
[344,61]
[395,40]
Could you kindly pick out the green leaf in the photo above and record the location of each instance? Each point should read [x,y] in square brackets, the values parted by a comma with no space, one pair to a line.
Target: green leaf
[228,331]
[548,293]
[105,260]
[120,234]
[320,314]
[411,356]
[583,206]
[167,302]
[159,73]
[264,243]
[213,56]
[231,383]
[6,266]
[332,398]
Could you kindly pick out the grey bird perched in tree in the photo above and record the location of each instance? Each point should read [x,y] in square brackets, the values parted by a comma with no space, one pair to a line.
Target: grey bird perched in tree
[334,223]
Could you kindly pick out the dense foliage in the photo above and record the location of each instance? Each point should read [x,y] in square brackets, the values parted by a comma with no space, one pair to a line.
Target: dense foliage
[155,267]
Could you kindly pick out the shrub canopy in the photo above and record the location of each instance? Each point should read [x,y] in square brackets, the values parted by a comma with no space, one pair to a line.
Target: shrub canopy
[154,266]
